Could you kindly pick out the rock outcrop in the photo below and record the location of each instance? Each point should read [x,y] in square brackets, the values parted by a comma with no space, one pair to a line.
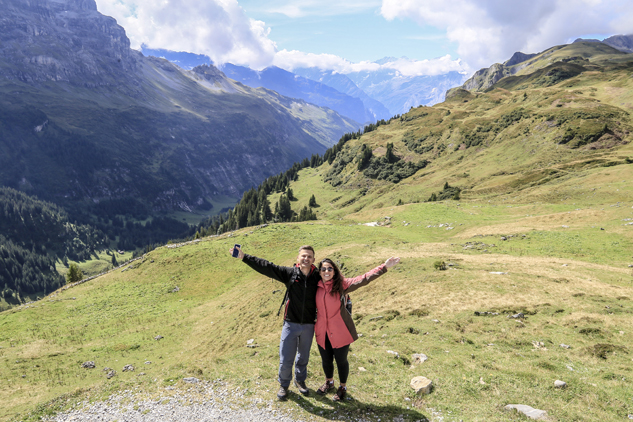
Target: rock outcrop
[99,48]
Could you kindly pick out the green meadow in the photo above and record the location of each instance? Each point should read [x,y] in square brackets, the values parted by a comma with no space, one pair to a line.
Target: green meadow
[573,286]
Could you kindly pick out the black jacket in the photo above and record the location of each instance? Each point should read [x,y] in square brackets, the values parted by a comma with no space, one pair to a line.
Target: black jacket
[301,302]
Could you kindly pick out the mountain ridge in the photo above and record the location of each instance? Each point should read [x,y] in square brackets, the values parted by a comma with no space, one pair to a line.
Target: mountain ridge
[521,63]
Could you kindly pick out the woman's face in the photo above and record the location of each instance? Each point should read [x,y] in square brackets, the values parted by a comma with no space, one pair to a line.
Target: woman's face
[327,271]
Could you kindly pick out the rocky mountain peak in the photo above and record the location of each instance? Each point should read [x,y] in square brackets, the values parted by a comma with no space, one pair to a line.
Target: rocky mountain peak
[63,41]
[517,58]
[209,72]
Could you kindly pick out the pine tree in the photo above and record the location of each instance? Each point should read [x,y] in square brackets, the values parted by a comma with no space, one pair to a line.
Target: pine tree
[74,273]
[114,261]
[389,155]
[365,157]
[284,210]
[312,203]
[265,214]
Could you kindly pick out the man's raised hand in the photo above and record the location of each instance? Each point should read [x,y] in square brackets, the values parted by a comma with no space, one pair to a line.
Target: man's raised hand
[240,254]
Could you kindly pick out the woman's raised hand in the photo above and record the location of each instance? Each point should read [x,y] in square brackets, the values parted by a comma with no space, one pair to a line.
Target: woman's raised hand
[393,261]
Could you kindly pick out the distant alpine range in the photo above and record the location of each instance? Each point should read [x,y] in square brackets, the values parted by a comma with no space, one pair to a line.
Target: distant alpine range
[365,96]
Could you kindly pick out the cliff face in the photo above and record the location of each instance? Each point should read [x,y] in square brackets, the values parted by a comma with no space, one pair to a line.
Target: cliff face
[62,40]
[85,119]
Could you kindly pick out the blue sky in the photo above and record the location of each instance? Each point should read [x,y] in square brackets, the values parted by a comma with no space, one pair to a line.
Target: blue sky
[362,35]
[348,35]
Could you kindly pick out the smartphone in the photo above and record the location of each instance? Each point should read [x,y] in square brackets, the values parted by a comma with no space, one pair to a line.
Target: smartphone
[236,252]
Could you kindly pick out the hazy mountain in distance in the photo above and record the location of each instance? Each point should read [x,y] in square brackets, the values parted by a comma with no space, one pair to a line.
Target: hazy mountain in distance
[295,86]
[343,84]
[395,91]
[183,59]
[621,42]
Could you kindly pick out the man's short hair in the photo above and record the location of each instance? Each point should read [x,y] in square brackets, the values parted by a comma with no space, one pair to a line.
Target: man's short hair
[307,248]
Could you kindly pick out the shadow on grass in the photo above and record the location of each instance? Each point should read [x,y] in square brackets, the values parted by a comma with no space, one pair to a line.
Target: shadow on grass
[325,407]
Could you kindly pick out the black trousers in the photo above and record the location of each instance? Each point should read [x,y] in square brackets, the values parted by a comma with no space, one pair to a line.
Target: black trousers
[327,360]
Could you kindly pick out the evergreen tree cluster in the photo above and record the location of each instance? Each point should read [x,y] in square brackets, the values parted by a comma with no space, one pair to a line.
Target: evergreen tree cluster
[373,126]
[45,228]
[24,271]
[381,169]
[448,192]
[330,154]
[254,208]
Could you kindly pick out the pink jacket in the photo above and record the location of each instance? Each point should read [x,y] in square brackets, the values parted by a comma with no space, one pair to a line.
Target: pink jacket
[329,320]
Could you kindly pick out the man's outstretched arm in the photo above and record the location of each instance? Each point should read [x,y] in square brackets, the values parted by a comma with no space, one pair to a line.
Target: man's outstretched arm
[264,267]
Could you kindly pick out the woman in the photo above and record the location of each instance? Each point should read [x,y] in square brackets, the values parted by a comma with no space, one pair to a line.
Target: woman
[334,328]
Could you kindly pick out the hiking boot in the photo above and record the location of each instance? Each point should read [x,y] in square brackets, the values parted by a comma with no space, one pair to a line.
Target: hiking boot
[301,385]
[329,385]
[282,394]
[340,393]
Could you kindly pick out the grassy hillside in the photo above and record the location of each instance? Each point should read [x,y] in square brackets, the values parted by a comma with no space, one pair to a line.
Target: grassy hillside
[572,283]
[542,228]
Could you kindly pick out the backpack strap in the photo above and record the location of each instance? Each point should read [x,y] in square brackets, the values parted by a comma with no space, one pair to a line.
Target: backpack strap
[283,301]
[346,303]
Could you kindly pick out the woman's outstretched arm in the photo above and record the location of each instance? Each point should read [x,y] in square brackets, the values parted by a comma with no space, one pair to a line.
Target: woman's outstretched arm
[351,284]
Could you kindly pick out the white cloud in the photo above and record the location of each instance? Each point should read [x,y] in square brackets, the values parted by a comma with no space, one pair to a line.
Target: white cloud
[221,30]
[489,31]
[217,28]
[291,60]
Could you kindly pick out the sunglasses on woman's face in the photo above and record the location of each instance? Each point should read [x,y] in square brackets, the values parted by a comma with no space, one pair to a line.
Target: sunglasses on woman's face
[328,269]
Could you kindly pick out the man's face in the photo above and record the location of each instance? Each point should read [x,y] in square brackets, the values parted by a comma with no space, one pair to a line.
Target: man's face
[305,258]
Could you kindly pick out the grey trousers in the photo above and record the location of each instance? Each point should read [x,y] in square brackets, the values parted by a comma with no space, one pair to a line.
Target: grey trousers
[296,340]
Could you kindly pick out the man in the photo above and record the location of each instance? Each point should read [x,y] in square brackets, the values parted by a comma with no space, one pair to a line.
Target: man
[299,314]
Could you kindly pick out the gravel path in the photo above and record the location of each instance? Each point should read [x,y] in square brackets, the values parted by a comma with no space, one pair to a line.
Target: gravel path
[205,401]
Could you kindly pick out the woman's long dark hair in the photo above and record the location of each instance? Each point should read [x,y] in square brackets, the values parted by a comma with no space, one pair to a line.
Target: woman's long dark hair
[337,287]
